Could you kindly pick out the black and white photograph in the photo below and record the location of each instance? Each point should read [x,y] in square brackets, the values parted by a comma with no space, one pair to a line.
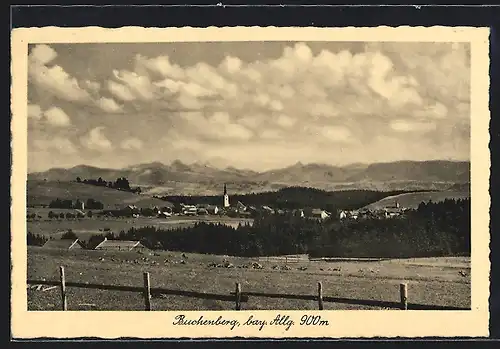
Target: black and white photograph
[258,175]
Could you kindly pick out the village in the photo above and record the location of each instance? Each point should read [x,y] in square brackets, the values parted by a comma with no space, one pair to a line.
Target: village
[227,213]
[226,209]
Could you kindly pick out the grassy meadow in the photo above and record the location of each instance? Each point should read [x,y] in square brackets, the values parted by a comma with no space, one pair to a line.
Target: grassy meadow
[42,193]
[412,200]
[432,281]
[85,227]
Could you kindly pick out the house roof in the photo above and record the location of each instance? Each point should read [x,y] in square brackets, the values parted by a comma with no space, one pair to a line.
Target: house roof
[65,244]
[392,210]
[318,211]
[118,244]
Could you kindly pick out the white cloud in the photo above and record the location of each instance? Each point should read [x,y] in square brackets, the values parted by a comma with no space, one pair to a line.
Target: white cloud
[276,105]
[53,79]
[434,111]
[131,144]
[217,126]
[120,91]
[336,133]
[109,105]
[271,134]
[161,65]
[252,121]
[57,117]
[401,125]
[42,54]
[92,86]
[96,140]
[227,105]
[323,109]
[34,112]
[285,121]
[206,76]
[231,64]
[139,85]
[62,145]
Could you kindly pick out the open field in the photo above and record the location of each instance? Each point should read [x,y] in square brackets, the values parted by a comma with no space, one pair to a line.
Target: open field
[431,281]
[412,200]
[85,227]
[42,193]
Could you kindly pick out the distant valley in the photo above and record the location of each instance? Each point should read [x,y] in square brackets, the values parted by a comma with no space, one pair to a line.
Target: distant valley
[178,178]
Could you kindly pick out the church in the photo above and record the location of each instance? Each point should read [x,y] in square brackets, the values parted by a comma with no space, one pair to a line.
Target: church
[226,198]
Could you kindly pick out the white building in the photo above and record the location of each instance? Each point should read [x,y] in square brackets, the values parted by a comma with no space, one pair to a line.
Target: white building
[226,198]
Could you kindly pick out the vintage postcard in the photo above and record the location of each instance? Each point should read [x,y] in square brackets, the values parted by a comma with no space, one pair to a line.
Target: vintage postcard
[250,182]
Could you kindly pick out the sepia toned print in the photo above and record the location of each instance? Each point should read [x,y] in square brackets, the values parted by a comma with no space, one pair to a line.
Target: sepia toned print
[257,186]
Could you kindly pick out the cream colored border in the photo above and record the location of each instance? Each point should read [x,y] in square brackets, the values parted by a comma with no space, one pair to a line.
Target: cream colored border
[343,323]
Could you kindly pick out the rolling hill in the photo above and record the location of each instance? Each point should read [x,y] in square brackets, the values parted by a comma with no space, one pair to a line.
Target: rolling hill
[43,192]
[180,178]
[412,200]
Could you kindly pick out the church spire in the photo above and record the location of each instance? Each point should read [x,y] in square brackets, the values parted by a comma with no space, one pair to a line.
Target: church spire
[226,197]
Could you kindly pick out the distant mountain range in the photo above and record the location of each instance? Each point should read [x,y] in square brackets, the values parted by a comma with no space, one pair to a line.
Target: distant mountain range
[400,175]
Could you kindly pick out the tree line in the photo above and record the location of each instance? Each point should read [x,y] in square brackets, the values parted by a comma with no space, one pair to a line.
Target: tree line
[294,198]
[433,229]
[120,183]
[90,204]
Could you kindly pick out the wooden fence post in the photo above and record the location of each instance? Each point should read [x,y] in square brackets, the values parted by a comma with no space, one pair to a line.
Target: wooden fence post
[320,295]
[63,289]
[147,291]
[238,296]
[403,293]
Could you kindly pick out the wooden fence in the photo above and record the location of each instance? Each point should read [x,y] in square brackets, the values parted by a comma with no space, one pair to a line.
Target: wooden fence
[238,296]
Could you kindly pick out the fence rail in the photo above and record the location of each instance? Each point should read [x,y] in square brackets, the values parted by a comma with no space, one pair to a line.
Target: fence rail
[238,296]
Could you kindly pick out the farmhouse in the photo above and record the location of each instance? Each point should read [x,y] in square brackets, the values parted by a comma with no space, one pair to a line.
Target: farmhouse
[212,209]
[201,211]
[119,245]
[343,214]
[164,215]
[393,211]
[189,210]
[318,213]
[298,213]
[64,244]
[130,210]
[80,205]
[79,213]
[240,207]
[354,214]
[267,209]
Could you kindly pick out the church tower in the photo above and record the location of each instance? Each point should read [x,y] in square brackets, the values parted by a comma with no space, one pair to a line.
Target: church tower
[226,197]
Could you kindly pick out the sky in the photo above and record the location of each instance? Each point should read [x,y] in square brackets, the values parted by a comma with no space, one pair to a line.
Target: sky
[254,105]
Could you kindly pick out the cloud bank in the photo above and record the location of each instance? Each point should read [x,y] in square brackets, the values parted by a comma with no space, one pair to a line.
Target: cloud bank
[385,102]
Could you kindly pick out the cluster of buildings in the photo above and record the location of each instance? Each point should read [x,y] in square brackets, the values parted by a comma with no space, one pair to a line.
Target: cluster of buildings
[105,245]
[391,211]
[240,210]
